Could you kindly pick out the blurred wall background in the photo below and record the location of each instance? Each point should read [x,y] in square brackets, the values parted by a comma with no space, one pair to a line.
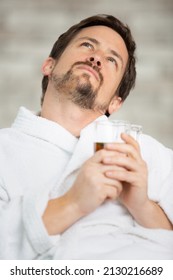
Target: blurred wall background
[28,30]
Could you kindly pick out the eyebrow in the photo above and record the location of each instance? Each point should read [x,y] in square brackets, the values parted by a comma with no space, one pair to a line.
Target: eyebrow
[93,40]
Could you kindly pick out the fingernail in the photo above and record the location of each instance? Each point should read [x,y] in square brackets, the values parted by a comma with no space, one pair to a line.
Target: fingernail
[107,159]
[109,146]
[109,173]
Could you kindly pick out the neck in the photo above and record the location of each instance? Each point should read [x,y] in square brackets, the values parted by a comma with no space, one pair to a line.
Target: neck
[67,114]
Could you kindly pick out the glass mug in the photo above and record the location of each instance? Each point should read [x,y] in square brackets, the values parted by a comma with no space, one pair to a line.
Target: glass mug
[109,131]
[135,131]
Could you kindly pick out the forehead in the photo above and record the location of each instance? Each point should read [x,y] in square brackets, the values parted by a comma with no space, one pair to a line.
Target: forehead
[98,30]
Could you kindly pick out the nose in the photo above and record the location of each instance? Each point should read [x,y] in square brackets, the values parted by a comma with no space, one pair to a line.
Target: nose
[95,61]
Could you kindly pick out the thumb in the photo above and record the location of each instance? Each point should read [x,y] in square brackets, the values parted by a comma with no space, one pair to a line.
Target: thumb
[99,156]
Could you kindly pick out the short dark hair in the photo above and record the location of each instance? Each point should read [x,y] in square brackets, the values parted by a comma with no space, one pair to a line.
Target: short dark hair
[129,77]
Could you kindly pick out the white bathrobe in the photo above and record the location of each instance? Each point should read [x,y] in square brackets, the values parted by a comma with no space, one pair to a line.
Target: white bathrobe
[39,160]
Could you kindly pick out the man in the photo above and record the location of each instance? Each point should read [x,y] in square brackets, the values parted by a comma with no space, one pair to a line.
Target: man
[59,200]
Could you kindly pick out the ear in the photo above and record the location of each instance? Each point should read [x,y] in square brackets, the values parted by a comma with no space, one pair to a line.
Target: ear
[48,66]
[115,104]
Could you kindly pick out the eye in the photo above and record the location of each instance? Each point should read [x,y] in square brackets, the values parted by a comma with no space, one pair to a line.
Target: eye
[113,60]
[87,45]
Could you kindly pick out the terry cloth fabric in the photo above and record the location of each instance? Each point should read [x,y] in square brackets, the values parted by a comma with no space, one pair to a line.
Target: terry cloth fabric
[39,160]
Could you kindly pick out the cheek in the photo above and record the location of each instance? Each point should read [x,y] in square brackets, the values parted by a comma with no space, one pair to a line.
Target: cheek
[65,62]
[113,80]
[108,88]
[110,83]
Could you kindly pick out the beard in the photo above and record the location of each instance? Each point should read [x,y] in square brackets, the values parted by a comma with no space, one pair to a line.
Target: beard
[78,88]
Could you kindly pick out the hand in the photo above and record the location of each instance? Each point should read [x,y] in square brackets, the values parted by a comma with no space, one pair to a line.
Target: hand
[133,174]
[117,171]
[91,187]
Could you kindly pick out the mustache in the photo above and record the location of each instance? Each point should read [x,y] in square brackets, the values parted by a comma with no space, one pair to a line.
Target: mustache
[88,63]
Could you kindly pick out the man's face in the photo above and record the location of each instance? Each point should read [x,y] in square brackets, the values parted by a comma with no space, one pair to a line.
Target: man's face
[91,67]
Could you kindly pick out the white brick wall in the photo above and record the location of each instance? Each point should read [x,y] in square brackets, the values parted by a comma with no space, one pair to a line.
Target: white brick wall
[28,30]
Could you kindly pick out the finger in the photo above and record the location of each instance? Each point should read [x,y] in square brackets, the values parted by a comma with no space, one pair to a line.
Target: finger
[98,156]
[130,140]
[132,178]
[101,154]
[112,192]
[113,183]
[112,160]
[120,176]
[107,167]
[120,164]
[125,150]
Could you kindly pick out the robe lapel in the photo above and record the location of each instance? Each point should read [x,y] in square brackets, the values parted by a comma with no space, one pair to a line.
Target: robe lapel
[84,149]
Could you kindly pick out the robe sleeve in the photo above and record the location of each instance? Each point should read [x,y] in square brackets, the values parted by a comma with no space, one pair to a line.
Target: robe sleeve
[22,234]
[159,160]
[166,194]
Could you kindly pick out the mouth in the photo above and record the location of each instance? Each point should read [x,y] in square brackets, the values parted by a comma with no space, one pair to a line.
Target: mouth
[90,70]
